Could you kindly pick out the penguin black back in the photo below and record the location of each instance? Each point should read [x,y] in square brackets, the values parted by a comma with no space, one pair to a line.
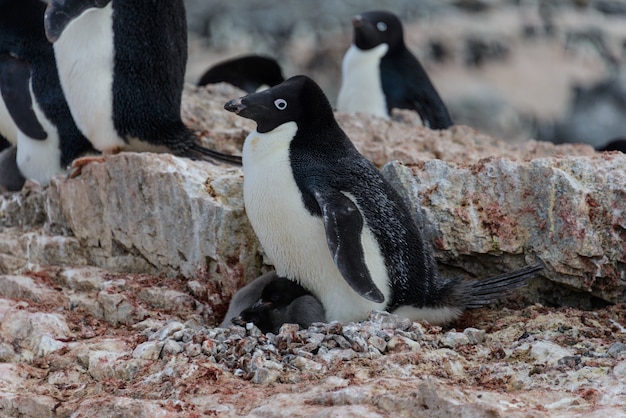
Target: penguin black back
[248,73]
[150,46]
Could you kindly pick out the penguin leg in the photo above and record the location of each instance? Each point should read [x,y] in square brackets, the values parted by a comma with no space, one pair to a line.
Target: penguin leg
[77,165]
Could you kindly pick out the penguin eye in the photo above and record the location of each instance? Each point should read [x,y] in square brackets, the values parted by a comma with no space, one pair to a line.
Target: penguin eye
[281,104]
[382,26]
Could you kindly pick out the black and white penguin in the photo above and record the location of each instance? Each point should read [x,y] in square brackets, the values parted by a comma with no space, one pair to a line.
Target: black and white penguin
[328,219]
[250,73]
[122,67]
[282,301]
[379,73]
[46,136]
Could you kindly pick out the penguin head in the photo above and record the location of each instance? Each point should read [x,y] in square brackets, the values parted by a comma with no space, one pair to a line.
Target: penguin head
[298,99]
[281,292]
[377,27]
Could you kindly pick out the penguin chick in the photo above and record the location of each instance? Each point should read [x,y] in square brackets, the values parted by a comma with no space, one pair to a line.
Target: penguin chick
[247,296]
[250,73]
[282,302]
[327,218]
[122,67]
[379,73]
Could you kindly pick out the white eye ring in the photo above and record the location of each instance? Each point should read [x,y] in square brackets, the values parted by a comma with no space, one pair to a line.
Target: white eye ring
[382,26]
[281,104]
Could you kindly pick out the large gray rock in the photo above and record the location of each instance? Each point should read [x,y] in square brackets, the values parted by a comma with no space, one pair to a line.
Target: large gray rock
[492,206]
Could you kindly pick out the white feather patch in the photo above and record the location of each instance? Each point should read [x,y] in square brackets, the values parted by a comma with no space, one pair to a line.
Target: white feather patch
[361,86]
[84,53]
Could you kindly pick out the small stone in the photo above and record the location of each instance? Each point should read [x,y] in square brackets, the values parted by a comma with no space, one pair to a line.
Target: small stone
[263,376]
[287,329]
[548,353]
[617,349]
[378,343]
[619,371]
[197,289]
[150,350]
[400,343]
[474,335]
[307,365]
[172,347]
[193,350]
[168,330]
[453,339]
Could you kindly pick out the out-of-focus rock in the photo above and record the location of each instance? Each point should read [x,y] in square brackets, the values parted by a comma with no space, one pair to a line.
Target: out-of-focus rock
[568,212]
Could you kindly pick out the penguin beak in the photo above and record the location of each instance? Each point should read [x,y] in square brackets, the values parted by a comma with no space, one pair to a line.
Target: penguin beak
[261,304]
[235,106]
[357,21]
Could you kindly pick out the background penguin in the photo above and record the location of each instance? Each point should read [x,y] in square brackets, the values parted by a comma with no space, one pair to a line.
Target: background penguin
[379,73]
[328,219]
[122,66]
[46,136]
[249,73]
[282,301]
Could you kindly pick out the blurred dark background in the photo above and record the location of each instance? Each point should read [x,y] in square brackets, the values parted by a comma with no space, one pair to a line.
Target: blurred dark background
[550,70]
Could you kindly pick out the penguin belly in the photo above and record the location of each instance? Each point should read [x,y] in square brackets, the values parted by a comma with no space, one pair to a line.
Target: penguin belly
[361,86]
[85,59]
[38,159]
[293,239]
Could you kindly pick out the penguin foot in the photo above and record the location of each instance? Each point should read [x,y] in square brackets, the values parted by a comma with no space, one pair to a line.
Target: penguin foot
[77,165]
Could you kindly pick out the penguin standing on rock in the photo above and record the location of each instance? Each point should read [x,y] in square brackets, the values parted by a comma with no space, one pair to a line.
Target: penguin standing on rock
[379,73]
[328,219]
[122,66]
[41,124]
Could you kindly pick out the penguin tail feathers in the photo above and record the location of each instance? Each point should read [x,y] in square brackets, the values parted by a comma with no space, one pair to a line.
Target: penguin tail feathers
[196,151]
[489,290]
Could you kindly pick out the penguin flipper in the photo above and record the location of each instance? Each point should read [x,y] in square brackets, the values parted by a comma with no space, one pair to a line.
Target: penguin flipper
[60,13]
[344,223]
[15,89]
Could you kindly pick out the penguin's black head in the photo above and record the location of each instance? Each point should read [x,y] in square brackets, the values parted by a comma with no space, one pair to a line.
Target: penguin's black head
[298,99]
[281,292]
[377,27]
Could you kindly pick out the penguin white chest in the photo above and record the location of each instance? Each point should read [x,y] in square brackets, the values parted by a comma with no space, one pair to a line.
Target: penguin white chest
[361,86]
[85,59]
[293,238]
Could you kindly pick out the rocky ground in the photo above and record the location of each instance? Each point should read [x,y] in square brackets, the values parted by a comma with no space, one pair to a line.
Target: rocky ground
[112,283]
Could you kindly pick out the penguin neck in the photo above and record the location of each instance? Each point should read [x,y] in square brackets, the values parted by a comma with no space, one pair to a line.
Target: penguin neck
[258,148]
[361,86]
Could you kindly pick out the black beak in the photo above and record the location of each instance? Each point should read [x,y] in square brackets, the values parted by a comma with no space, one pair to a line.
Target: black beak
[261,304]
[235,106]
[357,21]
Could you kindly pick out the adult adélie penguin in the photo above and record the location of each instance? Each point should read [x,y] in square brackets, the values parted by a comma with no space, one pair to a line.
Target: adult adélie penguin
[328,219]
[34,115]
[122,67]
[380,73]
